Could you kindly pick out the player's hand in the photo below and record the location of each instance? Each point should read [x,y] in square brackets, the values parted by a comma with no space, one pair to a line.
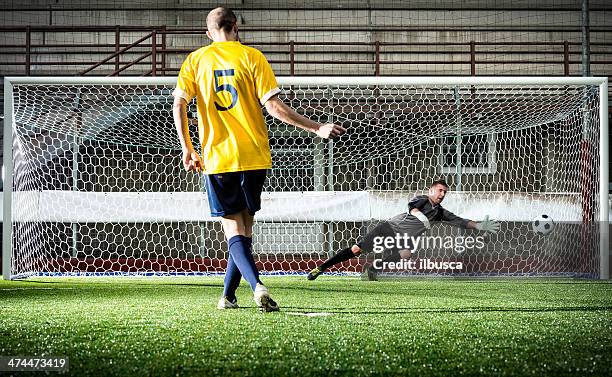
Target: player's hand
[487,225]
[192,161]
[419,215]
[330,131]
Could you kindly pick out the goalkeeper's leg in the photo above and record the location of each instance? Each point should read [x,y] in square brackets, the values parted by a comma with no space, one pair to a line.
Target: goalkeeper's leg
[393,255]
[366,245]
[341,256]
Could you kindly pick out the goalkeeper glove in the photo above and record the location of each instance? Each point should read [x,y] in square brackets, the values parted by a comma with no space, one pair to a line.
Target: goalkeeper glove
[419,215]
[487,225]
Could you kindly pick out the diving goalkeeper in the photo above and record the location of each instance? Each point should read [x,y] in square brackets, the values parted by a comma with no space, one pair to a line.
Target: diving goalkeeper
[423,210]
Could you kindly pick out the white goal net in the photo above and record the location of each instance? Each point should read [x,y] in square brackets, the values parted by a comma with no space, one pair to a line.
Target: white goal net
[94,184]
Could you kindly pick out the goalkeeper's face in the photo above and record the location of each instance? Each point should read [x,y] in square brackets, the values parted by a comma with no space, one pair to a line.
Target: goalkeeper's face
[437,193]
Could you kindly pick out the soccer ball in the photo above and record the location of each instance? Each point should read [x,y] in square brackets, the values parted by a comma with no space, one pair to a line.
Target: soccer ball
[543,224]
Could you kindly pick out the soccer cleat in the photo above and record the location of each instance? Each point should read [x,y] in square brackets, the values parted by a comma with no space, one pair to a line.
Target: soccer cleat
[314,274]
[272,306]
[369,273]
[263,300]
[224,303]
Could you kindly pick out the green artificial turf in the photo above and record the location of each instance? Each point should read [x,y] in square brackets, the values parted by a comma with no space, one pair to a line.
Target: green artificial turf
[425,327]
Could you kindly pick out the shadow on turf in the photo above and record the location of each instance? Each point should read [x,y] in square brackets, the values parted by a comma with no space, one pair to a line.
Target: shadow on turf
[447,311]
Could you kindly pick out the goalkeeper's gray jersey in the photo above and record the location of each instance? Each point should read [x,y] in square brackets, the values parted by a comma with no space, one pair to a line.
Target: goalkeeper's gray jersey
[409,224]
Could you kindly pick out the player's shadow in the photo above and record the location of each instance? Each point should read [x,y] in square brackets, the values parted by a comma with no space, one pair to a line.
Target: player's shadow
[413,310]
[361,289]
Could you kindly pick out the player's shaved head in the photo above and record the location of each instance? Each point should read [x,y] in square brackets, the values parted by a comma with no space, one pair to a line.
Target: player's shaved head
[439,182]
[436,193]
[221,19]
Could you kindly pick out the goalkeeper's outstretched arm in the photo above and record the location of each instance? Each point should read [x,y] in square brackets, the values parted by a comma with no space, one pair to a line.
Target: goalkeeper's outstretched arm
[487,225]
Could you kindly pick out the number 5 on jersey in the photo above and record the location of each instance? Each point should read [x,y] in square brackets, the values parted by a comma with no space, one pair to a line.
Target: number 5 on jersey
[225,88]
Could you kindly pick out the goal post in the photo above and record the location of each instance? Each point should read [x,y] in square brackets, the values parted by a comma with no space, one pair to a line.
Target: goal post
[93,183]
[7,184]
[604,180]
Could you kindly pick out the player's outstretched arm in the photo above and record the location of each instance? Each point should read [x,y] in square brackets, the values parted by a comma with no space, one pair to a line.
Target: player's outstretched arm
[279,110]
[191,159]
[487,225]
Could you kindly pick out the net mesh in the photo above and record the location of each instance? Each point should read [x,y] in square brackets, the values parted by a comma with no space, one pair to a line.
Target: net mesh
[99,189]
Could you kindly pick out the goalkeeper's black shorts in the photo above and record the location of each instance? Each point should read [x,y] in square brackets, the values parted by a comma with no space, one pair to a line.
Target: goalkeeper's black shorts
[370,240]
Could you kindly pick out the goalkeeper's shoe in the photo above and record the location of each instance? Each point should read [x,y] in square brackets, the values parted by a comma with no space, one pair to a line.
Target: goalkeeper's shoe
[314,273]
[225,303]
[369,273]
[263,300]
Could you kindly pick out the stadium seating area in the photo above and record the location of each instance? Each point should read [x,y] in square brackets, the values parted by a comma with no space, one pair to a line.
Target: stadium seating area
[385,38]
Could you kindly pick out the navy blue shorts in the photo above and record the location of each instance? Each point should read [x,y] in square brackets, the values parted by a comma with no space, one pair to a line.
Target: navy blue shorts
[230,193]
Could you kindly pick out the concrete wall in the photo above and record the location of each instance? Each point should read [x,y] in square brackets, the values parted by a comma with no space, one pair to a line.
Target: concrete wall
[304,22]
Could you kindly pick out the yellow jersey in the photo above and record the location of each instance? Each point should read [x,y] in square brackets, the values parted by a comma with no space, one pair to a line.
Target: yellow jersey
[230,82]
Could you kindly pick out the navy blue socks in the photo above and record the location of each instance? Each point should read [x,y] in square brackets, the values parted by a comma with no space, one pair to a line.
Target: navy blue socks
[240,263]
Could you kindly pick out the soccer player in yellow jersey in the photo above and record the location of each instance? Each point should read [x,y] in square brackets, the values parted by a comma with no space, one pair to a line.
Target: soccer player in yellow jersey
[231,82]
